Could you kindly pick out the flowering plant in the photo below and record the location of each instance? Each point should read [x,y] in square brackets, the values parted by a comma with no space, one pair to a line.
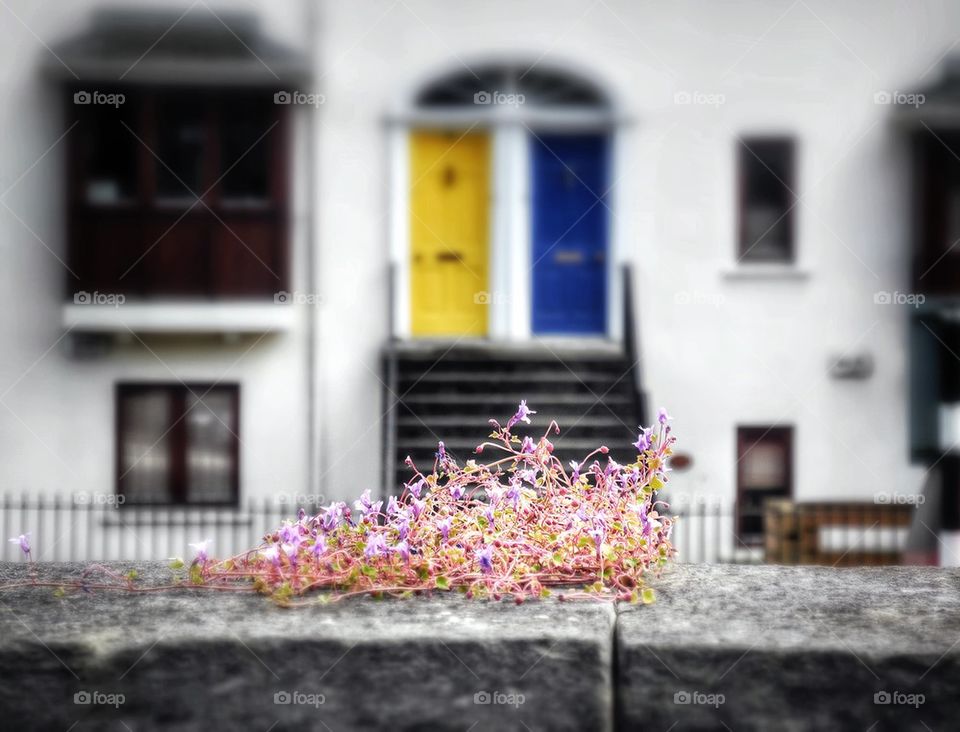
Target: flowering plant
[515,526]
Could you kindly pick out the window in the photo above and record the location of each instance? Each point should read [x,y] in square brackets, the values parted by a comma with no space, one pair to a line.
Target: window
[137,166]
[178,444]
[764,471]
[766,170]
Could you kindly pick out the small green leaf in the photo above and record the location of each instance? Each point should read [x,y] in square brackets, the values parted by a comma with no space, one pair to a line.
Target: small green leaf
[59,592]
[648,596]
[369,571]
[176,563]
[443,583]
[133,575]
[196,574]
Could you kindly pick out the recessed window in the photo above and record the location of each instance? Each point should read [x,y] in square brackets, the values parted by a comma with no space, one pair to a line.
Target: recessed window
[178,444]
[764,468]
[137,167]
[767,174]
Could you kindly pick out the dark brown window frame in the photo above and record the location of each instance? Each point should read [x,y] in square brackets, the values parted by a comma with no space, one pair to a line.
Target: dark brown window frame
[178,490]
[227,230]
[747,437]
[745,153]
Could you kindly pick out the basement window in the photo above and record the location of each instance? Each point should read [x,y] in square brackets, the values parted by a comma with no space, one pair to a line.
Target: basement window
[178,444]
[764,471]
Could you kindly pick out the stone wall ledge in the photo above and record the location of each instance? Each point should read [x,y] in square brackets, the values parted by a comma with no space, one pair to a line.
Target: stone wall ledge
[749,648]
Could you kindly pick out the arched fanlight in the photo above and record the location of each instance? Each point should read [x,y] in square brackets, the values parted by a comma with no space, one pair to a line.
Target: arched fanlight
[540,87]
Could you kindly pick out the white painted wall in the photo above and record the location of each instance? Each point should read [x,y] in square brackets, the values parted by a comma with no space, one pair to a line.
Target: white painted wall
[758,354]
[761,355]
[57,412]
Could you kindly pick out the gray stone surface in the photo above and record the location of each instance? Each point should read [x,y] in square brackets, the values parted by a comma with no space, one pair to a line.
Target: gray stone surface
[202,660]
[788,648]
[792,648]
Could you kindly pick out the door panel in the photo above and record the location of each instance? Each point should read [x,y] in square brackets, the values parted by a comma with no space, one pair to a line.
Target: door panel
[449,234]
[570,231]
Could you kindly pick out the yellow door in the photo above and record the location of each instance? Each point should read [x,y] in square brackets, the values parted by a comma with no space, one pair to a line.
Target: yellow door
[449,231]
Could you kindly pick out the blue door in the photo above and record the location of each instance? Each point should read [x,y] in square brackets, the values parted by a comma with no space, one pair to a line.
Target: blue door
[570,223]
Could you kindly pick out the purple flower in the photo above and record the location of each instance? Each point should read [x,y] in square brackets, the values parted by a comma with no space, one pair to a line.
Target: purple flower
[662,416]
[643,441]
[201,547]
[417,507]
[402,550]
[319,547]
[522,415]
[24,541]
[527,447]
[457,490]
[485,557]
[513,493]
[332,516]
[598,534]
[488,514]
[574,471]
[289,533]
[272,554]
[416,488]
[445,525]
[376,547]
[392,506]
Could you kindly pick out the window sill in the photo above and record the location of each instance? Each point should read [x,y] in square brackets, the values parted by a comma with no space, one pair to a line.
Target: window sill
[772,271]
[168,316]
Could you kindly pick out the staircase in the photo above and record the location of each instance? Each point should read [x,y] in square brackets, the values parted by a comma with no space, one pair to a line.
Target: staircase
[438,392]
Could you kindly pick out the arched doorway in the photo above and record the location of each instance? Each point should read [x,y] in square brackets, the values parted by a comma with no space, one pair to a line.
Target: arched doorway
[501,204]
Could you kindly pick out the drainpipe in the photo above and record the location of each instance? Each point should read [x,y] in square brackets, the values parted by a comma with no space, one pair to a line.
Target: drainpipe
[312,260]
